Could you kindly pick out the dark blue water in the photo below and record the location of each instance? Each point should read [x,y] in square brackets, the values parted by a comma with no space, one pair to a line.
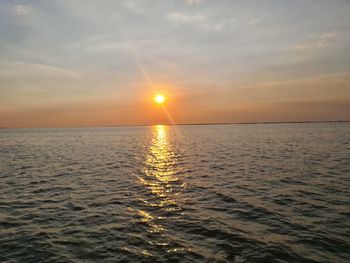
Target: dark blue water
[222,193]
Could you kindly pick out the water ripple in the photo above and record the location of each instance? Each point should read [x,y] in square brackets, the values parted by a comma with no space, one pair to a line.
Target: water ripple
[224,193]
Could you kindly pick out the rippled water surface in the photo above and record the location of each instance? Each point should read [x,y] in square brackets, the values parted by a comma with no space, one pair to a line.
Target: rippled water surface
[222,193]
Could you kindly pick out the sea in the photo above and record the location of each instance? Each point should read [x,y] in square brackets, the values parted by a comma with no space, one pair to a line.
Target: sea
[189,193]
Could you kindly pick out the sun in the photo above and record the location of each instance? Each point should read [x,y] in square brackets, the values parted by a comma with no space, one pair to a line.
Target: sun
[159,98]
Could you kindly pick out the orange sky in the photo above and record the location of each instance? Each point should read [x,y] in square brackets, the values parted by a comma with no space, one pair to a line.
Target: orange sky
[69,63]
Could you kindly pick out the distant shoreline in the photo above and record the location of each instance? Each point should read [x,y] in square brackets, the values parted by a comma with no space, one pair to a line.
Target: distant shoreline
[183,124]
[264,122]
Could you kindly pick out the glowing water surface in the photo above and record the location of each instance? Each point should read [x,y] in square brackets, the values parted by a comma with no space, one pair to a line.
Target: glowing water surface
[221,193]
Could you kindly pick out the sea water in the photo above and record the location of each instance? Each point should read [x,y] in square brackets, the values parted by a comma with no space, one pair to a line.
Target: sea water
[212,193]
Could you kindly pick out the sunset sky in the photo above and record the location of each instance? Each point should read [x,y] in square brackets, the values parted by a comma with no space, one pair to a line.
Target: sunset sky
[82,63]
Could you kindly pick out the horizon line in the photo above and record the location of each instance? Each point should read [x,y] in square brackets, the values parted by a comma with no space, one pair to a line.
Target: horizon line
[184,124]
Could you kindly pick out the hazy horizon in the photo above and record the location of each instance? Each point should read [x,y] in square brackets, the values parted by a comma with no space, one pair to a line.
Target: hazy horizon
[82,63]
[182,124]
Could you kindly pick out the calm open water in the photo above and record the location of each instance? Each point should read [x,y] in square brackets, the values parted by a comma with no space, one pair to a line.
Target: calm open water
[221,193]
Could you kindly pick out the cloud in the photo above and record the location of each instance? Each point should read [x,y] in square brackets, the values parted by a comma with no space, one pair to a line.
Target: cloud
[21,9]
[186,18]
[254,21]
[134,7]
[193,2]
[23,70]
[317,42]
[201,20]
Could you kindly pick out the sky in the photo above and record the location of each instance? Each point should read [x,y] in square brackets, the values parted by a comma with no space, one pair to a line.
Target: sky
[95,63]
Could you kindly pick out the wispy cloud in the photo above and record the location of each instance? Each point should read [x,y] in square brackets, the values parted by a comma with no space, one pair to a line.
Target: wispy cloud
[134,7]
[21,9]
[201,20]
[317,42]
[34,70]
[254,21]
[186,18]
[193,2]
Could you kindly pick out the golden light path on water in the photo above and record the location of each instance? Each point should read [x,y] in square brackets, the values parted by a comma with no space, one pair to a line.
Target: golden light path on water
[160,177]
[161,160]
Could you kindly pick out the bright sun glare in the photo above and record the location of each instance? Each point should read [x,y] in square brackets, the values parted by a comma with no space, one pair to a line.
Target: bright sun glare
[159,98]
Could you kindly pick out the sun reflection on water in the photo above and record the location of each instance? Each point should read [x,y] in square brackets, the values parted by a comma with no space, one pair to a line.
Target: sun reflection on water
[160,176]
[160,168]
[161,160]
